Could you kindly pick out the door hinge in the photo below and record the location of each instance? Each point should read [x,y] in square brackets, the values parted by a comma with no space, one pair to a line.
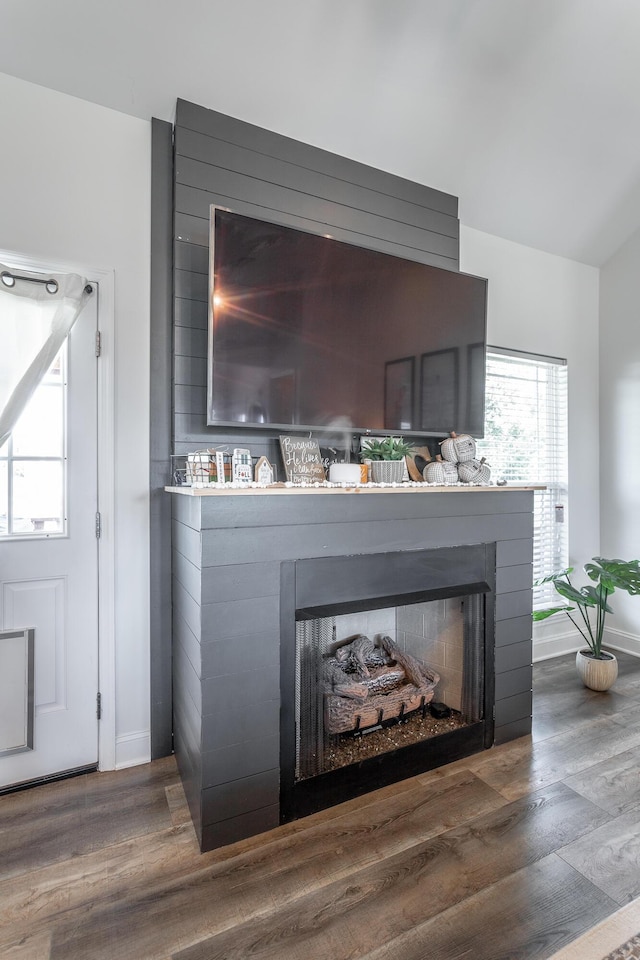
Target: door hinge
[98,343]
[99,706]
[98,524]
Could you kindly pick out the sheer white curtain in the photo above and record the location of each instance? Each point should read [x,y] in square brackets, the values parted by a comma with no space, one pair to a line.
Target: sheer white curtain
[35,319]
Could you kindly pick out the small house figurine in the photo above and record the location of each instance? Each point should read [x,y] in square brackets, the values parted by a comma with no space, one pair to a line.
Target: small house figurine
[264,471]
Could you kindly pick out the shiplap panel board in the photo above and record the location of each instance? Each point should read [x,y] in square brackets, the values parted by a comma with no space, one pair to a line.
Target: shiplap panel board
[319,213]
[297,542]
[188,680]
[187,607]
[519,577]
[236,828]
[513,656]
[191,286]
[191,371]
[189,399]
[242,796]
[224,658]
[190,342]
[195,230]
[516,604]
[191,116]
[513,682]
[515,630]
[187,510]
[511,731]
[188,575]
[241,581]
[190,715]
[229,763]
[230,694]
[191,313]
[221,728]
[198,160]
[186,541]
[514,552]
[184,635]
[514,708]
[233,618]
[261,511]
[191,257]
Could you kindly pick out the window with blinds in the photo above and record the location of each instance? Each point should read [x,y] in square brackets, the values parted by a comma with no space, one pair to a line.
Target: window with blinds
[526,441]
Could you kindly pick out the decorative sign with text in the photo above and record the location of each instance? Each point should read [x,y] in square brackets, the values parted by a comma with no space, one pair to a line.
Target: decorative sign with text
[302,460]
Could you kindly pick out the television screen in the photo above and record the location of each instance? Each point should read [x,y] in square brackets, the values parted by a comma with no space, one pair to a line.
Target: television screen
[306,330]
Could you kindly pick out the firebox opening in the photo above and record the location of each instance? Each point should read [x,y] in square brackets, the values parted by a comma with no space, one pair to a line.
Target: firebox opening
[378,680]
[387,669]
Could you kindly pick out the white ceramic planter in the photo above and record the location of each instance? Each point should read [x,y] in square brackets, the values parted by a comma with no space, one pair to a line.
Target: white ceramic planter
[597,674]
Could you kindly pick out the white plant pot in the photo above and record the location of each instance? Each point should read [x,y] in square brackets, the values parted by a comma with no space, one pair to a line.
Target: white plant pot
[387,471]
[597,674]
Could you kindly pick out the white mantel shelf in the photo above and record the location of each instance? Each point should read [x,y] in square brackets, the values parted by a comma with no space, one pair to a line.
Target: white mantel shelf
[280,489]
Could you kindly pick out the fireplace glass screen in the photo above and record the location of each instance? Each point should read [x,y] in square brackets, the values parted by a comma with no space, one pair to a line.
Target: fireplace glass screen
[372,682]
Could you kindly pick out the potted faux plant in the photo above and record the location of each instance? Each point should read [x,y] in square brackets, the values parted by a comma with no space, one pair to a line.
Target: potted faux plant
[596,667]
[387,458]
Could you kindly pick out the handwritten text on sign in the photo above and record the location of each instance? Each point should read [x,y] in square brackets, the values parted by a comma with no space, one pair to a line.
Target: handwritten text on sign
[301,458]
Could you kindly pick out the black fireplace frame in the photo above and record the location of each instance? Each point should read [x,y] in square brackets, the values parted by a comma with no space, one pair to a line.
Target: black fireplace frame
[318,586]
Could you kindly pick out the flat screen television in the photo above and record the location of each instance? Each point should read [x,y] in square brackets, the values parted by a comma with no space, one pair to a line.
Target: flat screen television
[306,331]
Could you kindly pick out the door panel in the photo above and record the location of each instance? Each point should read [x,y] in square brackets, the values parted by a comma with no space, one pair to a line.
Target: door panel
[49,582]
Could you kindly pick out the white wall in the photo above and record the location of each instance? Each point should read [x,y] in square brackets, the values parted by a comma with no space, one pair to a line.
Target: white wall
[620,427]
[546,304]
[76,188]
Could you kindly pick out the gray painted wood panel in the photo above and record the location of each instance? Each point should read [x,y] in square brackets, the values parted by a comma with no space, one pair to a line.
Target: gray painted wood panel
[188,608]
[513,682]
[237,828]
[513,656]
[196,154]
[258,511]
[237,762]
[195,229]
[222,547]
[231,656]
[515,630]
[235,618]
[353,226]
[241,796]
[187,542]
[222,729]
[190,313]
[519,577]
[190,116]
[240,581]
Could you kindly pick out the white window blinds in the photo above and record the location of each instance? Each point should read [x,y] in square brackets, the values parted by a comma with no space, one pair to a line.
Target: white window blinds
[526,441]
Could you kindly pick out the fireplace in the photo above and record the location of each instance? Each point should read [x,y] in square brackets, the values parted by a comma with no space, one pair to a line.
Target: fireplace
[250,568]
[386,669]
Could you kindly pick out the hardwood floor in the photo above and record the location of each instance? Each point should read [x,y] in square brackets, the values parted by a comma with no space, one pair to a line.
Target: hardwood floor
[509,854]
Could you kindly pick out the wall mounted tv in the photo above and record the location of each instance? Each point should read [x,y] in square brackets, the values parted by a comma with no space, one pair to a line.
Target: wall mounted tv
[305,330]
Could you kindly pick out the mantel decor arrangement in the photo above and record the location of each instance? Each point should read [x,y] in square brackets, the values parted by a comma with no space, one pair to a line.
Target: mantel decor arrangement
[596,667]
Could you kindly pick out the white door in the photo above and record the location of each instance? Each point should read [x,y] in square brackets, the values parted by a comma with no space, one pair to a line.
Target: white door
[49,565]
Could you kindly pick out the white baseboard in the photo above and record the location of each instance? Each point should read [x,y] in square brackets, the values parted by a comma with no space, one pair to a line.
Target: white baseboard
[556,645]
[133,749]
[620,640]
[545,648]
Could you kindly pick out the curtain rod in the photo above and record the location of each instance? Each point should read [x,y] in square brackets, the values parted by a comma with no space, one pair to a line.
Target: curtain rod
[51,285]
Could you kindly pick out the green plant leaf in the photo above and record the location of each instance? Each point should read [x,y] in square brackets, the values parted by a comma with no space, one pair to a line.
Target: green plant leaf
[552,577]
[549,612]
[578,597]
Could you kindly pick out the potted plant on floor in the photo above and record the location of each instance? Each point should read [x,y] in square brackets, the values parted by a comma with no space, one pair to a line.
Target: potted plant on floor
[596,667]
[387,458]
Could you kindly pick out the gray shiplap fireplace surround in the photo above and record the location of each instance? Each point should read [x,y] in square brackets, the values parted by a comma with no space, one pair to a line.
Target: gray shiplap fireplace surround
[217,608]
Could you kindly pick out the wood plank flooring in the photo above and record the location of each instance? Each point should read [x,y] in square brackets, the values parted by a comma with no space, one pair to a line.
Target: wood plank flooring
[509,854]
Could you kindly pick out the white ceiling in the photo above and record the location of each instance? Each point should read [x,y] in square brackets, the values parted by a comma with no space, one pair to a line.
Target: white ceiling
[528,110]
